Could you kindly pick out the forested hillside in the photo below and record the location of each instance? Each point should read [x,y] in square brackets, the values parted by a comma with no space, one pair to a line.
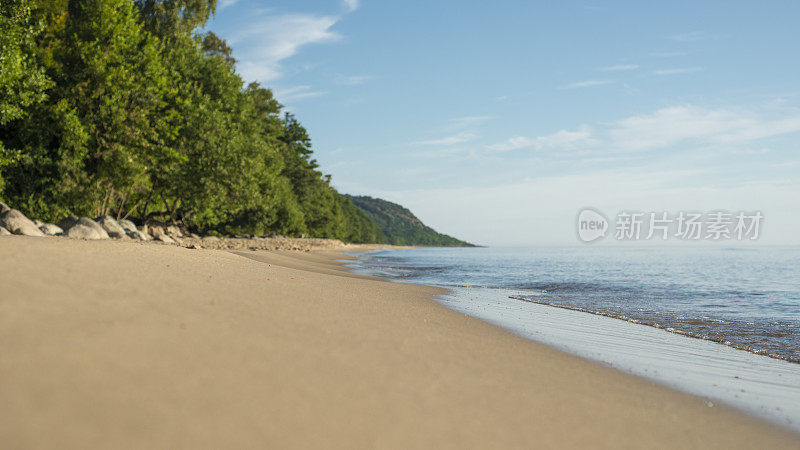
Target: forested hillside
[126,108]
[400,226]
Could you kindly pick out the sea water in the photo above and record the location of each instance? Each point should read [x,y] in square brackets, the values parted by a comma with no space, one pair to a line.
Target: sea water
[722,323]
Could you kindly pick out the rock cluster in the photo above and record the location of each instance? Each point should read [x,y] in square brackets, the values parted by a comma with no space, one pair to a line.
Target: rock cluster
[106,227]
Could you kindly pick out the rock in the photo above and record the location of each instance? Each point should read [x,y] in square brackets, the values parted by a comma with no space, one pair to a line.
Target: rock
[155,230]
[4,232]
[38,223]
[50,230]
[194,236]
[16,222]
[82,228]
[3,208]
[127,225]
[164,238]
[211,239]
[111,226]
[174,231]
[138,235]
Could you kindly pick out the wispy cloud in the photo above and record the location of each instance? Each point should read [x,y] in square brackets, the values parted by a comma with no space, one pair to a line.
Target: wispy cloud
[690,124]
[585,84]
[266,41]
[351,80]
[678,71]
[666,128]
[350,5]
[454,139]
[619,68]
[226,3]
[562,139]
[295,93]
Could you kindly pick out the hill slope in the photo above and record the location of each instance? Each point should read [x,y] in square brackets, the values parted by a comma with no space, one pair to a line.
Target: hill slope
[400,226]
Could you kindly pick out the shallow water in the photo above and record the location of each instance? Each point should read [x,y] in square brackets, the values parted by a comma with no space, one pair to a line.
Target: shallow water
[746,299]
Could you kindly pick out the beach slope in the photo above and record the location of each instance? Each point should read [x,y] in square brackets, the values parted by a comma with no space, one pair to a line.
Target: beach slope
[126,345]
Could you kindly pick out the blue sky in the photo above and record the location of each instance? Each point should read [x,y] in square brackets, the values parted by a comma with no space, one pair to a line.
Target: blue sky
[497,121]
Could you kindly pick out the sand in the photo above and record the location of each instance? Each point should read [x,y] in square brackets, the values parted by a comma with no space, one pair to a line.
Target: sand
[129,345]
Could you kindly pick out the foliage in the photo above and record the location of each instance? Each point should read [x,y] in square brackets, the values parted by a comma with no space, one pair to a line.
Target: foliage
[123,107]
[400,226]
[22,81]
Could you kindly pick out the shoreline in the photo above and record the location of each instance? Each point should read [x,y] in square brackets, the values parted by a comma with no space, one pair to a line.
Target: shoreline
[760,384]
[131,345]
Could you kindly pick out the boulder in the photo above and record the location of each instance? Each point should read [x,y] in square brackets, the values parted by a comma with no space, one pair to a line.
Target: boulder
[16,222]
[82,228]
[4,232]
[211,239]
[3,208]
[138,235]
[50,230]
[111,226]
[174,231]
[38,223]
[154,230]
[127,225]
[164,238]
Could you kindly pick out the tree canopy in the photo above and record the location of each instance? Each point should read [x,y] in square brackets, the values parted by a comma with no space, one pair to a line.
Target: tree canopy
[123,107]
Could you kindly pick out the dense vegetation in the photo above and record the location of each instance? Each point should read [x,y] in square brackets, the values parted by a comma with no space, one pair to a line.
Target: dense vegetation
[124,107]
[400,226]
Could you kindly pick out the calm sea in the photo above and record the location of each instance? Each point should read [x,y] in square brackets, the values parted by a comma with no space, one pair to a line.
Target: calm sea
[746,298]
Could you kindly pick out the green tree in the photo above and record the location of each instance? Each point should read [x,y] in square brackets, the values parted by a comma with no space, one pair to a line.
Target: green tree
[22,81]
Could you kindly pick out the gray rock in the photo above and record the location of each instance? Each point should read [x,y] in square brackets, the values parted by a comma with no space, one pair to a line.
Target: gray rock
[50,230]
[138,235]
[16,222]
[111,226]
[127,225]
[174,231]
[4,232]
[164,238]
[155,230]
[82,228]
[38,223]
[3,208]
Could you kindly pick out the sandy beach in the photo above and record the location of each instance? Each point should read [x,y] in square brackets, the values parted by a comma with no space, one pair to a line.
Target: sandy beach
[109,344]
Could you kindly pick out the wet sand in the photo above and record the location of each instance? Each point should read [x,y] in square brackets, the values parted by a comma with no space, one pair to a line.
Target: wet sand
[128,345]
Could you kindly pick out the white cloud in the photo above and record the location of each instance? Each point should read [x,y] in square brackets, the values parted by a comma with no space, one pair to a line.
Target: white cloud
[295,93]
[619,67]
[262,44]
[226,3]
[588,83]
[671,126]
[665,128]
[678,71]
[560,140]
[350,5]
[459,138]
